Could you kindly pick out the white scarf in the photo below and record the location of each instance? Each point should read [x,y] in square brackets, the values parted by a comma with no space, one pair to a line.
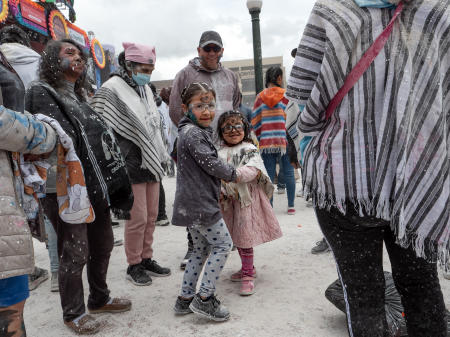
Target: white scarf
[245,154]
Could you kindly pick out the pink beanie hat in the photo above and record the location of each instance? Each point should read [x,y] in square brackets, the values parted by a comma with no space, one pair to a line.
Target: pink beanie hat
[139,53]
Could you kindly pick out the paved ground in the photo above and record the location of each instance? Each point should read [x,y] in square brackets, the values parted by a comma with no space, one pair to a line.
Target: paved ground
[289,298]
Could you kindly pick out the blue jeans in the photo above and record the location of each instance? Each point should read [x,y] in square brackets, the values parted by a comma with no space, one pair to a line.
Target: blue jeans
[52,245]
[286,169]
[280,181]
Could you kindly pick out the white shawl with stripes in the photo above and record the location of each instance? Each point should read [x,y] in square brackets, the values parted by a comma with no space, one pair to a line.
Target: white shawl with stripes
[122,108]
[386,149]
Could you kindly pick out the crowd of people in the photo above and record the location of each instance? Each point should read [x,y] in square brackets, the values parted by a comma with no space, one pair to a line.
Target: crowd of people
[365,116]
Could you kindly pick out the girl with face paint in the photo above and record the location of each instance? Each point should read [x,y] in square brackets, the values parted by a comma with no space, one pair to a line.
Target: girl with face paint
[199,175]
[246,205]
[201,108]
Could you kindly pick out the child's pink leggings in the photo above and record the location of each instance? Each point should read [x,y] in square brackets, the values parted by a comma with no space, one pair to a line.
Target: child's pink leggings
[246,255]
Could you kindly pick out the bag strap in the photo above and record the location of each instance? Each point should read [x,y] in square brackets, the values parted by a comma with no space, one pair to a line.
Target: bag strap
[363,64]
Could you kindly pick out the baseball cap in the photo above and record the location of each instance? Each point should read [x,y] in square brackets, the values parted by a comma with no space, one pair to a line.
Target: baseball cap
[209,37]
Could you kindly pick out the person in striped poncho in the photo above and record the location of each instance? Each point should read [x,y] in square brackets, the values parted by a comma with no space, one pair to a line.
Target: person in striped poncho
[126,103]
[378,169]
[269,124]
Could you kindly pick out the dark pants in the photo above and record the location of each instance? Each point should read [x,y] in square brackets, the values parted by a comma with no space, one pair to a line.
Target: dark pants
[358,251]
[80,245]
[162,203]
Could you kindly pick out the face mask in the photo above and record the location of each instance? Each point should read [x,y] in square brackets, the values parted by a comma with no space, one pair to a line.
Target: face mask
[141,79]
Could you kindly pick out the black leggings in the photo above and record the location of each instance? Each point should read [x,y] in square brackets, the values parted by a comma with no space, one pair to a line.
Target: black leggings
[358,251]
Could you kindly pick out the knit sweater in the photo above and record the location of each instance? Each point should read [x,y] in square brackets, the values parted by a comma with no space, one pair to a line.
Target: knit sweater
[269,120]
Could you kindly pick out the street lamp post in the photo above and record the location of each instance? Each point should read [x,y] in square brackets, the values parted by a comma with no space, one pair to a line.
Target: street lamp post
[254,7]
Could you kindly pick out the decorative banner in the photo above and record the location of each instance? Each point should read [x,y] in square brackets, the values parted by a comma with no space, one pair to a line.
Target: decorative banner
[33,12]
[28,14]
[3,10]
[78,35]
[98,54]
[57,25]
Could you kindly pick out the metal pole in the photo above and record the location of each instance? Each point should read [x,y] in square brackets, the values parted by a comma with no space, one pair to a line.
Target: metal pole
[257,54]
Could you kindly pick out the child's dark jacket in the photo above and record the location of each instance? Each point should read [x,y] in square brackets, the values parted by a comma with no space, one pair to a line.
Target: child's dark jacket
[199,174]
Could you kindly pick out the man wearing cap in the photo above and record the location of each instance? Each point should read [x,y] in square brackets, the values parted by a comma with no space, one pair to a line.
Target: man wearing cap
[207,68]
[127,104]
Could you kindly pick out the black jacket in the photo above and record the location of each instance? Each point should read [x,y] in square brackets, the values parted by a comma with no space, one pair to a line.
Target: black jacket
[95,145]
[133,158]
[199,174]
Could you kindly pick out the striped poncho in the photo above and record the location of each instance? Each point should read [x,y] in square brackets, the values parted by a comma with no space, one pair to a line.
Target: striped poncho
[269,120]
[134,117]
[386,147]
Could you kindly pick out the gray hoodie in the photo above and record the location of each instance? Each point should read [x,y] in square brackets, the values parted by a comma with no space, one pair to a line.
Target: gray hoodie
[223,80]
[199,171]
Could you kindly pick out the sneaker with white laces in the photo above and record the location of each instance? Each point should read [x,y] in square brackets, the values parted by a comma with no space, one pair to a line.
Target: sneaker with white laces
[137,275]
[182,306]
[209,308]
[162,222]
[154,269]
[320,247]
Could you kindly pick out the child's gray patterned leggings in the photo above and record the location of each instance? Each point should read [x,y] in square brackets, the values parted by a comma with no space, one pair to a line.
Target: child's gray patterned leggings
[212,245]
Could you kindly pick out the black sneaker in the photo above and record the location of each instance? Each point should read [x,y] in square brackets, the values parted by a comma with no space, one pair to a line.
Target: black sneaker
[164,221]
[182,306]
[209,308]
[137,275]
[186,259]
[320,247]
[154,269]
[38,276]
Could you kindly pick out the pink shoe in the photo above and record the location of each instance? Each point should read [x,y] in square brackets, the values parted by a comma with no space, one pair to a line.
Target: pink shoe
[291,211]
[247,286]
[237,276]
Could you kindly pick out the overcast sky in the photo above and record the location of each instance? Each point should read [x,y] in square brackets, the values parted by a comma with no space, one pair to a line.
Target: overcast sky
[175,26]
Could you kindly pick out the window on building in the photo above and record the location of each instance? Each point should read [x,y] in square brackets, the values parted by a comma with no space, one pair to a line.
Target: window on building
[248,85]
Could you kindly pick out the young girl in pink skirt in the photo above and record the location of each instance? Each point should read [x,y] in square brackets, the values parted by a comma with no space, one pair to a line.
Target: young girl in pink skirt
[245,205]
